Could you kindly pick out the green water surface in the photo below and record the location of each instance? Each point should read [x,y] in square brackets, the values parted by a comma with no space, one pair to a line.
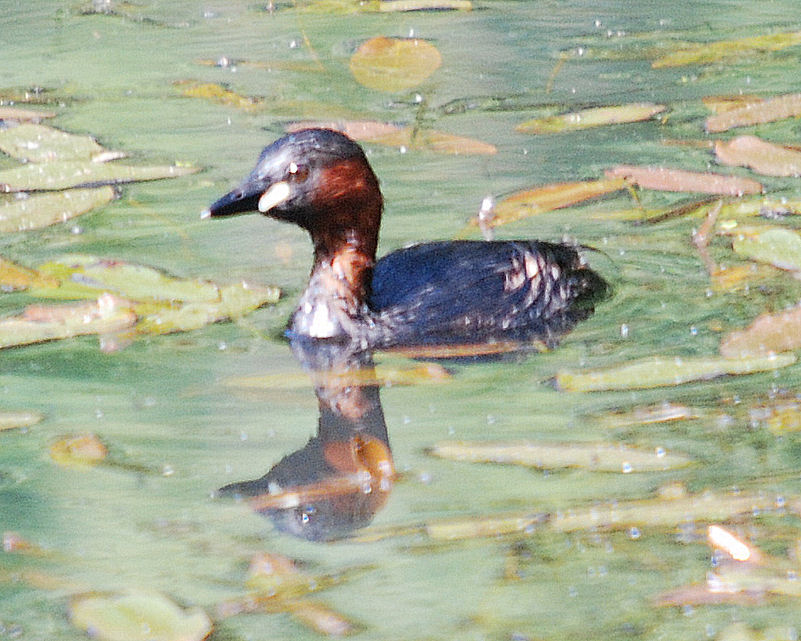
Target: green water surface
[160,403]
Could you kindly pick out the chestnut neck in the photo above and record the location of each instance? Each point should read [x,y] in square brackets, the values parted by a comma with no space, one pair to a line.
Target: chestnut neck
[345,230]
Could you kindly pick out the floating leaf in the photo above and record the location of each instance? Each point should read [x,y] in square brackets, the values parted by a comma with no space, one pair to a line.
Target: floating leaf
[35,211]
[777,246]
[362,130]
[468,350]
[28,115]
[163,303]
[40,143]
[783,418]
[279,577]
[436,141]
[386,6]
[733,278]
[697,594]
[233,302]
[483,526]
[380,375]
[10,420]
[725,49]
[80,451]
[769,333]
[138,616]
[648,415]
[620,515]
[549,197]
[279,585]
[760,156]
[615,515]
[767,207]
[663,371]
[394,64]
[269,65]
[139,283]
[39,323]
[666,179]
[321,618]
[220,95]
[741,632]
[651,216]
[14,277]
[340,7]
[722,104]
[599,457]
[779,108]
[587,118]
[63,175]
[403,137]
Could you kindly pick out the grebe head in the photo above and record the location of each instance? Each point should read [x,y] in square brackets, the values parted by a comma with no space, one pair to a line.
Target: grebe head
[318,179]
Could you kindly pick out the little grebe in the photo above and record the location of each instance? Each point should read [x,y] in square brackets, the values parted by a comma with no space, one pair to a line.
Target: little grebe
[431,293]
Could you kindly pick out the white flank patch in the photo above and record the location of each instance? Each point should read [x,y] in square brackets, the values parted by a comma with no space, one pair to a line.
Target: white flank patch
[322,325]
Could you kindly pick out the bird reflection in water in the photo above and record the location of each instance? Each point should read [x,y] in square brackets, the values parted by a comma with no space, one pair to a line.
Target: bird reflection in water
[339,480]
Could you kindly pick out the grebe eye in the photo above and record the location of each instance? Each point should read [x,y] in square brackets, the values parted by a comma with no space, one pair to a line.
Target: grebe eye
[297,173]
